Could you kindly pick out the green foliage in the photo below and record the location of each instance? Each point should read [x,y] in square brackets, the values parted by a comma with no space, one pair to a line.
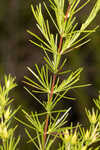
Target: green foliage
[7,138]
[51,125]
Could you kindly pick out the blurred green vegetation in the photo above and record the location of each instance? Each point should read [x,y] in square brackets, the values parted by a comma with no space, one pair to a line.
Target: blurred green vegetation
[16,53]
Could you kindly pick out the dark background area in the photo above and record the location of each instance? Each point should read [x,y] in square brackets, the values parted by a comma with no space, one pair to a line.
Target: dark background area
[16,53]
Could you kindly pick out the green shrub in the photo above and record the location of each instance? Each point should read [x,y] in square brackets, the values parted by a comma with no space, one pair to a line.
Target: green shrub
[51,125]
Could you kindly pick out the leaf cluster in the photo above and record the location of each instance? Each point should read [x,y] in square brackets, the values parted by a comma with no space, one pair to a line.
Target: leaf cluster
[49,80]
[6,114]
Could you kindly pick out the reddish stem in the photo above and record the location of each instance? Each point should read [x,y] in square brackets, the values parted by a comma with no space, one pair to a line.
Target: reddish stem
[53,82]
[50,98]
[45,129]
[52,88]
[67,13]
[60,44]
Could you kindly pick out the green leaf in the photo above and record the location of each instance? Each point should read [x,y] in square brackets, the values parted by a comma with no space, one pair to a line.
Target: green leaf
[92,15]
[42,79]
[34,97]
[71,80]
[51,16]
[31,139]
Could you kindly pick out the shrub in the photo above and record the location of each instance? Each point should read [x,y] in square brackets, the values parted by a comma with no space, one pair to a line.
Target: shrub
[51,124]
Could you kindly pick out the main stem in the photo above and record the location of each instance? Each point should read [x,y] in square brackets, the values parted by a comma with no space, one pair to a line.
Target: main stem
[53,81]
[47,117]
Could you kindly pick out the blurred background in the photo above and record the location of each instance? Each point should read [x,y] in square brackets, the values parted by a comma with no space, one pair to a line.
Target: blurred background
[16,53]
